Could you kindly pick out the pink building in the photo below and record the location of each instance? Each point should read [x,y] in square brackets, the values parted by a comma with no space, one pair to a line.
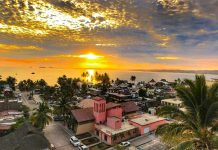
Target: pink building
[106,119]
[109,126]
[147,123]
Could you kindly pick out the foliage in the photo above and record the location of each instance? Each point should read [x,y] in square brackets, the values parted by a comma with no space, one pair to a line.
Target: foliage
[19,123]
[62,108]
[142,92]
[11,81]
[84,89]
[41,117]
[133,78]
[25,111]
[196,126]
[103,80]
[26,85]
[68,86]
[118,147]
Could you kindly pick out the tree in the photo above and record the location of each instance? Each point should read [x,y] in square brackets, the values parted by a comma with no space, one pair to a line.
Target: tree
[41,117]
[196,127]
[11,81]
[26,85]
[133,78]
[63,108]
[104,81]
[84,89]
[142,92]
[41,84]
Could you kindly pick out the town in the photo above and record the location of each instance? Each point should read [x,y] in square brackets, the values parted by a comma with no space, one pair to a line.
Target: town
[97,115]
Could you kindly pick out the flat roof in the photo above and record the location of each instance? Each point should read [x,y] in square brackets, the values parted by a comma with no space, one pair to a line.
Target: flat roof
[119,95]
[146,119]
[124,127]
[172,101]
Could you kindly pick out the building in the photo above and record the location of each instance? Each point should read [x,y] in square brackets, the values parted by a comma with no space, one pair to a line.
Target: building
[172,102]
[86,103]
[107,122]
[83,120]
[109,126]
[129,108]
[147,123]
[119,97]
[8,104]
[94,91]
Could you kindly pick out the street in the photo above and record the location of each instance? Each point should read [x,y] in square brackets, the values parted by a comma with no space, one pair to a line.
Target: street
[59,136]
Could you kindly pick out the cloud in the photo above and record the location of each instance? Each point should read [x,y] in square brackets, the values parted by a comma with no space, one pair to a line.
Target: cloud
[167,58]
[8,48]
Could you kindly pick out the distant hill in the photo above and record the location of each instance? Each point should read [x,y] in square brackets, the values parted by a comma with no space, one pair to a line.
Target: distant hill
[186,71]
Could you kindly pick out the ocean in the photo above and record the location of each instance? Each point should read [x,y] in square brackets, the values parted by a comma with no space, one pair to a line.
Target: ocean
[51,74]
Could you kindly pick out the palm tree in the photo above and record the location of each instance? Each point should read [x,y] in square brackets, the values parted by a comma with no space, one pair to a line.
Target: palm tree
[11,81]
[41,117]
[63,107]
[133,78]
[196,126]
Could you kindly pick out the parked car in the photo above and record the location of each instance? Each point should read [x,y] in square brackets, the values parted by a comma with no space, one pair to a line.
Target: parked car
[83,147]
[125,143]
[58,118]
[75,141]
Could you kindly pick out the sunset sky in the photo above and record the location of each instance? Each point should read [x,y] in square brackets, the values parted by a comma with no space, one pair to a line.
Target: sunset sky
[109,34]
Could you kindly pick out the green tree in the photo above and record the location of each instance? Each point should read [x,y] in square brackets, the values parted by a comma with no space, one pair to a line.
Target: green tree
[142,92]
[63,108]
[41,117]
[41,84]
[11,81]
[26,85]
[133,78]
[84,89]
[196,126]
[103,81]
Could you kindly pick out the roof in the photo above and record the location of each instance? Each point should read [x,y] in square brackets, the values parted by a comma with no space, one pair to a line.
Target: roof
[110,131]
[111,105]
[86,103]
[172,101]
[82,115]
[24,138]
[129,107]
[146,119]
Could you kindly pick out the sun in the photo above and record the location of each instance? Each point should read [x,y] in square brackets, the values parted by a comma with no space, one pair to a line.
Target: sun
[90,56]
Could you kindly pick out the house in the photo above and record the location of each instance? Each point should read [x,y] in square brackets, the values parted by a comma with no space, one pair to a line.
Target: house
[147,123]
[94,91]
[108,123]
[129,108]
[86,103]
[119,97]
[82,120]
[7,104]
[172,102]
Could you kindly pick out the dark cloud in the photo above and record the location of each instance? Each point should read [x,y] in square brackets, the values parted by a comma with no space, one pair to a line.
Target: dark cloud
[136,28]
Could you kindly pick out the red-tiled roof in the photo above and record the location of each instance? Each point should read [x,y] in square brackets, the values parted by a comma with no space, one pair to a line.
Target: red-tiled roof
[82,115]
[129,107]
[111,105]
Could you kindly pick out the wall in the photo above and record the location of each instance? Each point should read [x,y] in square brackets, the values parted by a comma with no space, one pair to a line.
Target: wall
[86,127]
[112,123]
[115,112]
[151,127]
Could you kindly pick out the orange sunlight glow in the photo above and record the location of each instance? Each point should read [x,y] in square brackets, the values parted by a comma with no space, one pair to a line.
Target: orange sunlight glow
[90,56]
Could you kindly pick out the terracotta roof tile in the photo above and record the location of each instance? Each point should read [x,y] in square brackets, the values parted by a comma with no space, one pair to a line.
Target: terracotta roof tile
[129,107]
[82,115]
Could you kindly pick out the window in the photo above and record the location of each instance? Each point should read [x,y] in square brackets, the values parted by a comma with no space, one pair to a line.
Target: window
[105,137]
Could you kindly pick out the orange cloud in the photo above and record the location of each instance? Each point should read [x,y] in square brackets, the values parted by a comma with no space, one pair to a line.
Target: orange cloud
[8,48]
[167,57]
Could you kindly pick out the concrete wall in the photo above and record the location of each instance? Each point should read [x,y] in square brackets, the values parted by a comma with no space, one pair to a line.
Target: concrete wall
[150,127]
[115,112]
[114,124]
[9,105]
[82,128]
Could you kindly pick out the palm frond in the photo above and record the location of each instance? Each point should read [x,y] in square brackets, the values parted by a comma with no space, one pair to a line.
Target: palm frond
[186,145]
